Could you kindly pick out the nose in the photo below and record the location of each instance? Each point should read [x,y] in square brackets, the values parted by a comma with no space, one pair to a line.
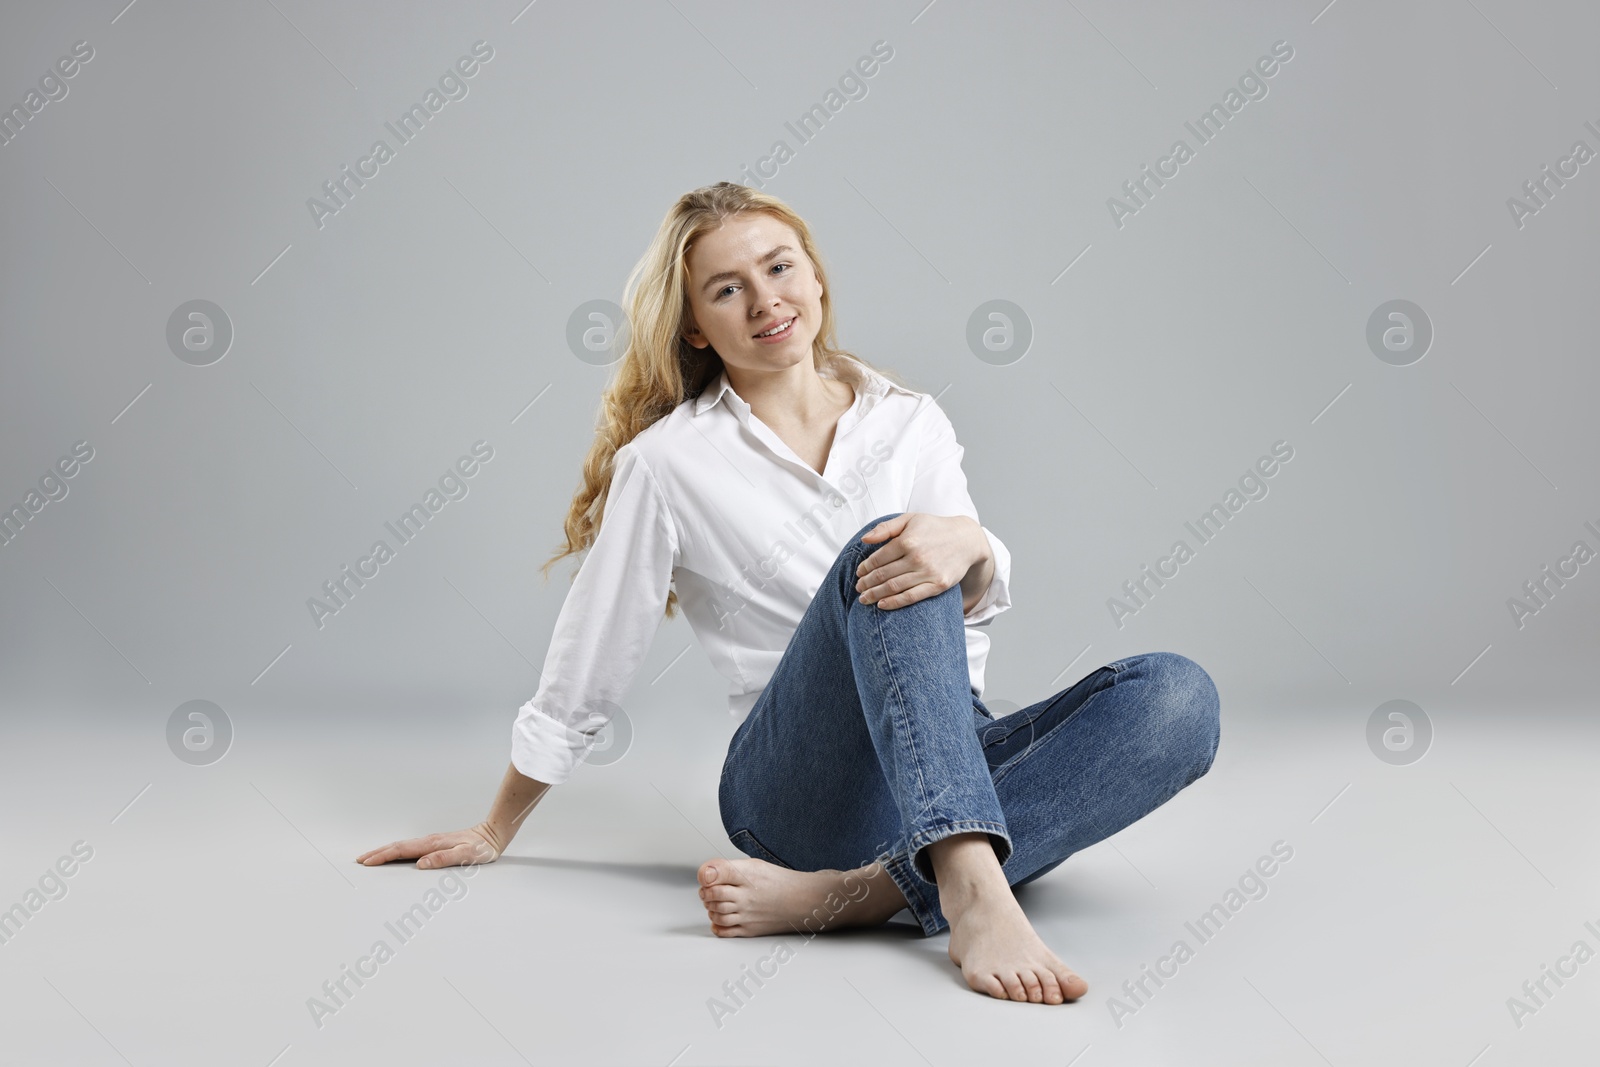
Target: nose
[762,297]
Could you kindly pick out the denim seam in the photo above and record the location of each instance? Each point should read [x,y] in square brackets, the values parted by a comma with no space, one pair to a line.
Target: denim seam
[1011,732]
[903,721]
[903,873]
[766,853]
[1006,768]
[1087,700]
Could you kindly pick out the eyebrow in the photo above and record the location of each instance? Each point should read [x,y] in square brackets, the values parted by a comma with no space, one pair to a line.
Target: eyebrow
[727,274]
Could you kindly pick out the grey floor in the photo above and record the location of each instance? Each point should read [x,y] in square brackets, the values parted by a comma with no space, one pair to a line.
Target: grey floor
[218,900]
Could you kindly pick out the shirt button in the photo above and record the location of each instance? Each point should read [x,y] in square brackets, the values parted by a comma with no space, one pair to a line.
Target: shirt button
[811,591]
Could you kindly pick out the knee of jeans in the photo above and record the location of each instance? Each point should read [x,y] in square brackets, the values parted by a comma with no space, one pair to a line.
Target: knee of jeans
[1186,698]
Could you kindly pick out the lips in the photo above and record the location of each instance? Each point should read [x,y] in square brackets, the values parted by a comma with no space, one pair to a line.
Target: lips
[780,334]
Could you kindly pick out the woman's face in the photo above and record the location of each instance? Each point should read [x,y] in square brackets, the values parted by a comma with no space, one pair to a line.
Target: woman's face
[746,277]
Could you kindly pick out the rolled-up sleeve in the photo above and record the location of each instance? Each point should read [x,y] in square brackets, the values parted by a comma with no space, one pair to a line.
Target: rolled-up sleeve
[605,627]
[940,488]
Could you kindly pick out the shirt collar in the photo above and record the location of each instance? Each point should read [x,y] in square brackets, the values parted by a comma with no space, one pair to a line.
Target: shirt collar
[873,389]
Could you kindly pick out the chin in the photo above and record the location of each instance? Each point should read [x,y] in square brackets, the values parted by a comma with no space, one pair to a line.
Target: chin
[777,360]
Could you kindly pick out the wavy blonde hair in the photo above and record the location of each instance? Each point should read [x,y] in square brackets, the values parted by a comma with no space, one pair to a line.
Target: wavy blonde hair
[660,369]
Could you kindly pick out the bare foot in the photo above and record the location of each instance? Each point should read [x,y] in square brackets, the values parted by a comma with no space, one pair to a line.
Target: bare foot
[753,898]
[998,951]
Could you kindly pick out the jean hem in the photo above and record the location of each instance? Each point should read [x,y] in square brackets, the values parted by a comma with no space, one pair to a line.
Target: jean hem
[911,886]
[923,838]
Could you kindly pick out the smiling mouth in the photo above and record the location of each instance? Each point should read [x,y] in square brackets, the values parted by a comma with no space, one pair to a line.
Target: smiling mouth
[778,331]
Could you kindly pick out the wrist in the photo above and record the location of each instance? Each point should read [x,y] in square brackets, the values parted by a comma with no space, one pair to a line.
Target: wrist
[981,545]
[498,836]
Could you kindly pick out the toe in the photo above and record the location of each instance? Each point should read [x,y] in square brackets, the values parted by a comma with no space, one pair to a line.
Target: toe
[1052,987]
[1072,985]
[1034,988]
[1013,986]
[988,983]
[720,872]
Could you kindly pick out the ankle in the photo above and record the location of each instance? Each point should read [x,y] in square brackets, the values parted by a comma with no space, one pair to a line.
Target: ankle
[872,894]
[960,892]
[965,860]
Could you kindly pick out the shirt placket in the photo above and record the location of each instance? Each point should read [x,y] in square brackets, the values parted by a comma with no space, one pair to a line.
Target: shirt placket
[780,451]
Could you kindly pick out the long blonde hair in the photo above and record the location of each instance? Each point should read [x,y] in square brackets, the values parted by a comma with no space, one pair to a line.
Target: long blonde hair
[660,369]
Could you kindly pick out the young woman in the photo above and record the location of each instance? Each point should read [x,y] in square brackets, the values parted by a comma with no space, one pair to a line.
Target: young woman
[811,517]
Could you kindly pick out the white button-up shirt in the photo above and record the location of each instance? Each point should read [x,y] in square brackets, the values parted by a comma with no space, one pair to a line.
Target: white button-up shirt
[712,504]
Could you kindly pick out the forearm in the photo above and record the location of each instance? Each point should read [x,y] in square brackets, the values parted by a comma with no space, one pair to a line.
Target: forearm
[976,581]
[517,797]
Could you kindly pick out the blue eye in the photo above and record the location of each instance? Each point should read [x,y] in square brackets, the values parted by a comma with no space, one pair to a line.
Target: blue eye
[724,291]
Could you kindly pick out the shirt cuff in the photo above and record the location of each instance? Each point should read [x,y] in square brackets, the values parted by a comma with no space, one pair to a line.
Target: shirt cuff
[544,749]
[997,597]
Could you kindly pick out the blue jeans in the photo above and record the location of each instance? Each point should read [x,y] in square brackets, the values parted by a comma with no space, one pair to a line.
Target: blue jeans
[869,743]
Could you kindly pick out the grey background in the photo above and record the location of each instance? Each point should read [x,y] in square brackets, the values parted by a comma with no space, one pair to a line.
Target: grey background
[369,355]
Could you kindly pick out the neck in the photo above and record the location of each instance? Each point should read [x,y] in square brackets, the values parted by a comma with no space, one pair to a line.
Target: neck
[792,395]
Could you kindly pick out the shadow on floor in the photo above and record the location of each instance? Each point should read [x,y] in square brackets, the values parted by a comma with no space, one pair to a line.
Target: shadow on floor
[668,874]
[901,929]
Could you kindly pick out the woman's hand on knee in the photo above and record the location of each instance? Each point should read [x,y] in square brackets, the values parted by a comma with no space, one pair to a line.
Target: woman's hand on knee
[457,848]
[925,555]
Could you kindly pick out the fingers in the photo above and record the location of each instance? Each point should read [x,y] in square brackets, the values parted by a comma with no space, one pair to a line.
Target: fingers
[877,580]
[462,855]
[876,568]
[876,571]
[892,600]
[889,527]
[893,550]
[434,850]
[400,850]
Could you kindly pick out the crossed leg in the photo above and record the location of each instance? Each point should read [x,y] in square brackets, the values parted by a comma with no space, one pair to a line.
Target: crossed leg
[867,779]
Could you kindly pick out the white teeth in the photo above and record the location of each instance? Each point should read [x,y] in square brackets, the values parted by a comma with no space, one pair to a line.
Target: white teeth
[775,329]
